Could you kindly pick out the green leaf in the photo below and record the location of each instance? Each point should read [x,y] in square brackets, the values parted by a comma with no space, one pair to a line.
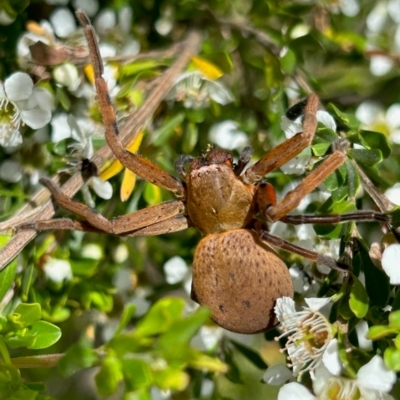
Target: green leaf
[251,355]
[181,331]
[26,314]
[44,333]
[288,61]
[376,281]
[376,140]
[171,379]
[394,319]
[128,313]
[163,134]
[366,158]
[137,373]
[7,276]
[80,355]
[109,376]
[353,178]
[190,138]
[348,119]
[392,358]
[138,66]
[160,317]
[358,301]
[319,149]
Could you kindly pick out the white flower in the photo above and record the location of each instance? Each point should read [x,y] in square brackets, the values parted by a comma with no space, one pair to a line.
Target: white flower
[308,332]
[390,263]
[227,135]
[81,131]
[299,164]
[22,103]
[374,381]
[175,270]
[57,270]
[63,22]
[196,91]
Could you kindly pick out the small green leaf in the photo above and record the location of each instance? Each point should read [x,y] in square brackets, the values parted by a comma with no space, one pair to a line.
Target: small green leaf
[181,331]
[380,331]
[376,140]
[348,119]
[160,317]
[80,355]
[26,314]
[251,355]
[171,379]
[109,376]
[128,313]
[319,149]
[353,178]
[137,373]
[392,358]
[163,134]
[7,276]
[45,334]
[138,66]
[366,158]
[394,319]
[288,61]
[358,301]
[190,138]
[376,281]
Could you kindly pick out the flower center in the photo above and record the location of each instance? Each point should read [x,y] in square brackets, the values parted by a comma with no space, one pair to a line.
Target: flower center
[10,119]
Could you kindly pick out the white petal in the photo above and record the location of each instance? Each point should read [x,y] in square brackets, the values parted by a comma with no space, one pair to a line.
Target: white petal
[284,306]
[393,194]
[380,65]
[393,115]
[367,111]
[290,127]
[92,250]
[226,134]
[9,139]
[295,391]
[18,86]
[10,171]
[63,22]
[89,6]
[296,166]
[377,17]
[102,189]
[44,99]
[125,18]
[57,270]
[331,359]
[2,91]
[362,329]
[67,75]
[210,336]
[105,20]
[316,303]
[319,376]
[36,118]
[175,269]
[60,128]
[375,375]
[219,93]
[277,374]
[350,8]
[5,19]
[326,119]
[393,8]
[390,263]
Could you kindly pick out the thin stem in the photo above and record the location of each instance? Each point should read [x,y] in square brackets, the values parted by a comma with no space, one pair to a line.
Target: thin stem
[4,351]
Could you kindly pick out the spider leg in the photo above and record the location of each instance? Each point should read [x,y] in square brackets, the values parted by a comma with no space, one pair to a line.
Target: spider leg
[173,224]
[289,149]
[358,216]
[140,166]
[120,225]
[276,241]
[307,185]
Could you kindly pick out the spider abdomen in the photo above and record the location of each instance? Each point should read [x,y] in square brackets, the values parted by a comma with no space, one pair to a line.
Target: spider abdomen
[239,279]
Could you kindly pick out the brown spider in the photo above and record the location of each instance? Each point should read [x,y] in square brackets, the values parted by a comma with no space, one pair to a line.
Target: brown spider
[236,273]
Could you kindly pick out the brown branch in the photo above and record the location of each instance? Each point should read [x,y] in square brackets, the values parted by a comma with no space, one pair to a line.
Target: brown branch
[132,126]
